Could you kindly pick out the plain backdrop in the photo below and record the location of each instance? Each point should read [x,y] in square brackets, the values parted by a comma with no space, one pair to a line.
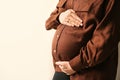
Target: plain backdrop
[25,45]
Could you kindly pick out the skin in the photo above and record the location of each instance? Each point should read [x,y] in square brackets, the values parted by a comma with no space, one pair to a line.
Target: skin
[69,18]
[65,67]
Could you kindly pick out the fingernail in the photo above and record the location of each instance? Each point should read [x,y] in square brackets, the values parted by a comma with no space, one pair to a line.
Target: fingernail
[81,24]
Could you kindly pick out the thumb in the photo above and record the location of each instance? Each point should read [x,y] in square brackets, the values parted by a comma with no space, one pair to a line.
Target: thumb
[58,63]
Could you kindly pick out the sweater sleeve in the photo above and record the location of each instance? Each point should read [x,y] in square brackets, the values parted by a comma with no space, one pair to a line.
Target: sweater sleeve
[52,21]
[101,45]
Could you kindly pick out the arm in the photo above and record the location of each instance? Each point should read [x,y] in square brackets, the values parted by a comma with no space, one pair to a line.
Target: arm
[52,21]
[102,43]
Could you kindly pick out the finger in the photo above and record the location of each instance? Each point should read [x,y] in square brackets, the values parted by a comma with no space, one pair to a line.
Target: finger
[72,23]
[60,66]
[74,15]
[68,23]
[71,17]
[63,70]
[77,24]
[69,20]
[58,63]
[73,20]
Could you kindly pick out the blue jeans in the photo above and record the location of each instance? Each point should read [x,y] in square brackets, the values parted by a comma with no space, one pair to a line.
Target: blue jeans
[60,76]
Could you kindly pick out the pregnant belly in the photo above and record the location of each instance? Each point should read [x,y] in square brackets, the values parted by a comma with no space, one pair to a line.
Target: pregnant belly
[68,44]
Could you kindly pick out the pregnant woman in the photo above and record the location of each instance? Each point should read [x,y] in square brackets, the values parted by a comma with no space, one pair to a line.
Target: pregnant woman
[85,44]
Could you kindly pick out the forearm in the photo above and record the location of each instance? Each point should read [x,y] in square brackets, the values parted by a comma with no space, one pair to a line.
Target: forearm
[101,45]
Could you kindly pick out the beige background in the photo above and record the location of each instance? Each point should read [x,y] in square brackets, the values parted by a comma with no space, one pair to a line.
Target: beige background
[25,52]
